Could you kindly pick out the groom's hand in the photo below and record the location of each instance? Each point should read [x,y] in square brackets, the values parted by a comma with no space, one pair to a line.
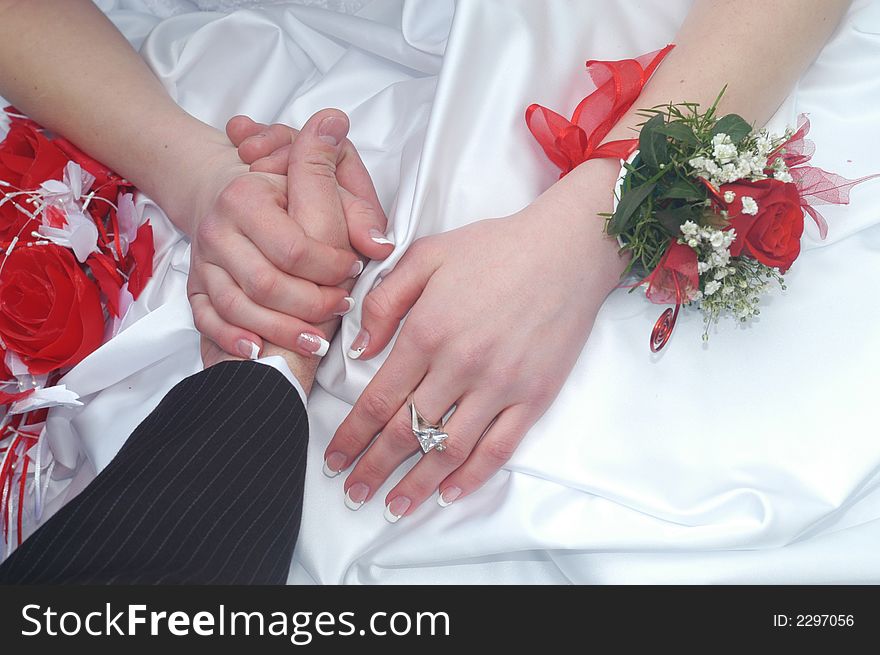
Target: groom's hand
[241,295]
[266,148]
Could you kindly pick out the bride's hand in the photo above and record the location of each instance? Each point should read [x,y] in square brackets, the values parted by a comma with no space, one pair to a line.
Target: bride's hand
[256,271]
[499,311]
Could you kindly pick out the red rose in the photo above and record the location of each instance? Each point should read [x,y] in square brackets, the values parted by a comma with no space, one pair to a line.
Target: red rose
[5,373]
[50,312]
[773,235]
[676,278]
[14,223]
[27,158]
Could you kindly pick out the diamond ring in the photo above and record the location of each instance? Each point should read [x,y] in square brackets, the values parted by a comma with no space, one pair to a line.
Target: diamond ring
[430,435]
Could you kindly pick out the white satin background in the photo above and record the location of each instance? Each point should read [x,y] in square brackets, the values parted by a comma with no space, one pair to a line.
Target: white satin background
[752,459]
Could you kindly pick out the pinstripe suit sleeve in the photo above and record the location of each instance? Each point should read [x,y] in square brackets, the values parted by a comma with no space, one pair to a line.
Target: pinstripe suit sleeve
[207,490]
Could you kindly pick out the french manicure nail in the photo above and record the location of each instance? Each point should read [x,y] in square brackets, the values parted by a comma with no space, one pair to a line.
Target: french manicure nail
[313,344]
[331,130]
[248,349]
[359,345]
[345,306]
[356,269]
[334,464]
[448,496]
[379,237]
[356,495]
[397,508]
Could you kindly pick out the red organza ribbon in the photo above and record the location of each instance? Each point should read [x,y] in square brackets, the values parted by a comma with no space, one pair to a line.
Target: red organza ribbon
[568,143]
[815,185]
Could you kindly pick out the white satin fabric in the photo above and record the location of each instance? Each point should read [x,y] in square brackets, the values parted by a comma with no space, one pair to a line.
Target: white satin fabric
[752,459]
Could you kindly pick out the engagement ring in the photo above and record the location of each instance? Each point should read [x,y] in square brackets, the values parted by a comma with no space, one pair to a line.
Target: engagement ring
[430,435]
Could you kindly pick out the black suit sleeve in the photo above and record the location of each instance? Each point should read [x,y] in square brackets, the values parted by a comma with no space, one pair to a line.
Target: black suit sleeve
[207,490]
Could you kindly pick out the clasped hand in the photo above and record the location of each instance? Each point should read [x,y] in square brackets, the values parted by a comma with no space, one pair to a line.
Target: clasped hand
[497,312]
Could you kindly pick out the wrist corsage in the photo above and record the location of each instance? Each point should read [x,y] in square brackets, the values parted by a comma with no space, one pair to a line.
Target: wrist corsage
[710,211]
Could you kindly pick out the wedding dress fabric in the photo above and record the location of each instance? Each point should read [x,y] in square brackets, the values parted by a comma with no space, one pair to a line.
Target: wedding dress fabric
[753,458]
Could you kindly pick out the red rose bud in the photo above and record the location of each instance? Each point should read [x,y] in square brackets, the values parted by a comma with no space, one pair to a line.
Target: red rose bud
[50,312]
[773,235]
[676,278]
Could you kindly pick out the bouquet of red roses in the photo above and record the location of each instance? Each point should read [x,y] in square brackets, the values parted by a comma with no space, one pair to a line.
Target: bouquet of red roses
[74,252]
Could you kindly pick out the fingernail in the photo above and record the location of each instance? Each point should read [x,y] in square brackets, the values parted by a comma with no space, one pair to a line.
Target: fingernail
[359,345]
[248,349]
[356,269]
[345,306]
[334,464]
[356,495]
[397,508]
[448,496]
[331,130]
[313,344]
[380,237]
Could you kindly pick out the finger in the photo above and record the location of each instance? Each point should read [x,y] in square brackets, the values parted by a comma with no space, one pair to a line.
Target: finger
[261,139]
[471,418]
[313,199]
[386,305]
[240,127]
[380,401]
[270,287]
[491,453]
[262,144]
[234,307]
[284,242]
[368,233]
[232,339]
[275,163]
[366,225]
[396,443]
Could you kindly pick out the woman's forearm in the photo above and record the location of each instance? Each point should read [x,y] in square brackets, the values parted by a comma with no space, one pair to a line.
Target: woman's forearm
[67,66]
[758,49]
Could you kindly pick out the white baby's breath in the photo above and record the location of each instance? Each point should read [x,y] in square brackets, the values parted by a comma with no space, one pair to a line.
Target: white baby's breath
[749,206]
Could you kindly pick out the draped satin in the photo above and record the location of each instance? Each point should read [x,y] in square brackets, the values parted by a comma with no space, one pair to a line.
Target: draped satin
[750,459]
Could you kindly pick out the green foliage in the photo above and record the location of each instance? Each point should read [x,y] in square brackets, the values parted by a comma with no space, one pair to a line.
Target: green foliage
[733,126]
[653,145]
[660,191]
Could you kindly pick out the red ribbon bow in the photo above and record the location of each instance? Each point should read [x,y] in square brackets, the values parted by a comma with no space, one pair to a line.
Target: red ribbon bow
[569,143]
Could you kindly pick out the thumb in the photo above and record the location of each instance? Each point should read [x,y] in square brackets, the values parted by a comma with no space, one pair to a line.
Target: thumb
[312,198]
[366,225]
[386,305]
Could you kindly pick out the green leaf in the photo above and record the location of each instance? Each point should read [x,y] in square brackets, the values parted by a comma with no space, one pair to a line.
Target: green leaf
[630,200]
[680,132]
[733,126]
[672,218]
[684,190]
[652,144]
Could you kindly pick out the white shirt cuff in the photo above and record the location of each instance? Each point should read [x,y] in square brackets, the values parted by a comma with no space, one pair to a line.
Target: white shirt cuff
[277,362]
